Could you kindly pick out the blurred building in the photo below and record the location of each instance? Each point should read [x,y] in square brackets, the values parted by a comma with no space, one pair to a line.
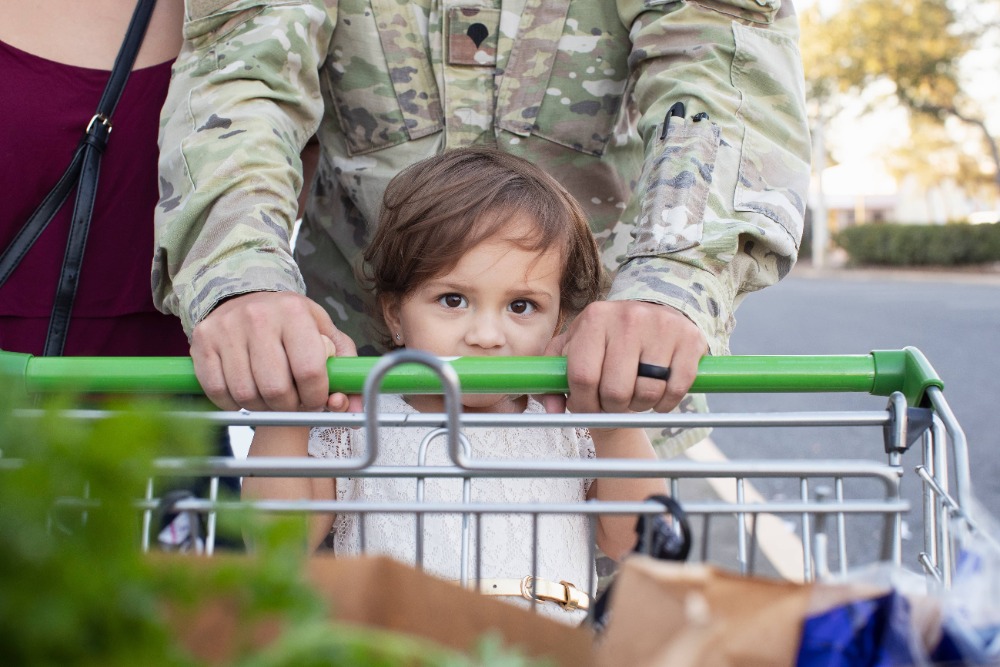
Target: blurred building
[865,192]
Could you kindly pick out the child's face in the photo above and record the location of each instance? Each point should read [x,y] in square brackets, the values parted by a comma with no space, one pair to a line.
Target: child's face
[499,300]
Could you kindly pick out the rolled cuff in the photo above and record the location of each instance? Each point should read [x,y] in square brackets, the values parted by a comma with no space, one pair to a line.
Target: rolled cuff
[698,294]
[243,273]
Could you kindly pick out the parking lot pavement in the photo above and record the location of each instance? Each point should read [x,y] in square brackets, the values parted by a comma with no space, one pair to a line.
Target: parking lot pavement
[775,552]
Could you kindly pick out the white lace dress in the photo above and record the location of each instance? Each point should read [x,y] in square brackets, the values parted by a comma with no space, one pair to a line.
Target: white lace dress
[563,540]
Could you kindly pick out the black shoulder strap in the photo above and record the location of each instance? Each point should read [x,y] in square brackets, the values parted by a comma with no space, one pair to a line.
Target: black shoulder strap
[82,172]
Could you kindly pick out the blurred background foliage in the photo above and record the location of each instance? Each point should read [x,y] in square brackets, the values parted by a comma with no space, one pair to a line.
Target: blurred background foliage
[75,588]
[918,50]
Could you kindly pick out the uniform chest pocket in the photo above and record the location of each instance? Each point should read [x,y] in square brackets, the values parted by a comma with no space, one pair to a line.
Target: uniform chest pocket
[379,76]
[566,80]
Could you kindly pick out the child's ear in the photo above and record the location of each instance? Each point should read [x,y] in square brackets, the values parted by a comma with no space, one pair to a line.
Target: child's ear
[390,313]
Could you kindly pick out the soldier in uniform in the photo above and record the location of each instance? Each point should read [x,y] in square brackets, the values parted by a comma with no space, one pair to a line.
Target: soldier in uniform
[679,124]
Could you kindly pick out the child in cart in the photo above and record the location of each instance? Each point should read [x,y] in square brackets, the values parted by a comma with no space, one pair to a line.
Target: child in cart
[478,253]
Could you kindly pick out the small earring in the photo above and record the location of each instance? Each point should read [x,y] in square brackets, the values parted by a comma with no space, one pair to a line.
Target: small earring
[397,337]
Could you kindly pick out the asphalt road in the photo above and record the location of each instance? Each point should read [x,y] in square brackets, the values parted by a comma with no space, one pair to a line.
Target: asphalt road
[953,318]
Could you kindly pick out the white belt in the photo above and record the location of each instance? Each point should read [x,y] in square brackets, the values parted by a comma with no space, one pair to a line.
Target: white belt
[563,593]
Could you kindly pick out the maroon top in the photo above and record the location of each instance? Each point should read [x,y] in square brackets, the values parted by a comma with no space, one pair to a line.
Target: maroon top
[45,107]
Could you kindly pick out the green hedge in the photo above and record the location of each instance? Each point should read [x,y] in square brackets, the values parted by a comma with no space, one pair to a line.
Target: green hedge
[888,244]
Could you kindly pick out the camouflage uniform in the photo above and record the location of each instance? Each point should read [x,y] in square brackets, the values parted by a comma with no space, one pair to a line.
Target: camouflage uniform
[580,87]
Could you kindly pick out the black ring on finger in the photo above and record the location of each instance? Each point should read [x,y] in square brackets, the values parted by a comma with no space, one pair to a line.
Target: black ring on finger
[654,371]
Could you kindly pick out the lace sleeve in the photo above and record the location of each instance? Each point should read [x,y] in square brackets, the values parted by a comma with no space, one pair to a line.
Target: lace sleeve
[330,443]
[333,443]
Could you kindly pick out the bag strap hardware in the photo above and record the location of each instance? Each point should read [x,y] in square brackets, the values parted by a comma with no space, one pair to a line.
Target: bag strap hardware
[97,132]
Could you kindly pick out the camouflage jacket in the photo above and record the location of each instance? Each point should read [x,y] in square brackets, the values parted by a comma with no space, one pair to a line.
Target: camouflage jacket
[693,215]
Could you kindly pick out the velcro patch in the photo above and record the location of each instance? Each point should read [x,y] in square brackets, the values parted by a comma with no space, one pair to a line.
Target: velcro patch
[472,36]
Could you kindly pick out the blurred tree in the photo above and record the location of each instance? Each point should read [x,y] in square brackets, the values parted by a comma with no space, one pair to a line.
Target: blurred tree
[931,153]
[918,45]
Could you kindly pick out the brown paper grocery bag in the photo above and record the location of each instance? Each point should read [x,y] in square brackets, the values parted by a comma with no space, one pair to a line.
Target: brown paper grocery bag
[378,592]
[668,614]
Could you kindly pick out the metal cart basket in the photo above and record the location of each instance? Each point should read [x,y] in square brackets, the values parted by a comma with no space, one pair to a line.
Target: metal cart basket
[920,439]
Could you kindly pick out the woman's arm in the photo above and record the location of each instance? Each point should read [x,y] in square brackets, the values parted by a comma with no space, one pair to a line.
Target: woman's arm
[616,534]
[271,441]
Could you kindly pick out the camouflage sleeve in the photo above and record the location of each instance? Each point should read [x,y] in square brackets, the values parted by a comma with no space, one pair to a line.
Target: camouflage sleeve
[719,211]
[243,101]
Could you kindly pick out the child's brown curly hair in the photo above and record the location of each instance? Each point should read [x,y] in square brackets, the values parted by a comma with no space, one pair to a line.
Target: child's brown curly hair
[436,210]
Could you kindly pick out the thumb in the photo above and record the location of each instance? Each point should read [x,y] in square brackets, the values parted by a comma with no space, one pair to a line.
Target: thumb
[342,344]
[345,403]
[339,402]
[331,349]
[553,403]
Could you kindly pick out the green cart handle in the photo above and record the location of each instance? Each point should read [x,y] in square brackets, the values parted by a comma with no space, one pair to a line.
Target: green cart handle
[879,373]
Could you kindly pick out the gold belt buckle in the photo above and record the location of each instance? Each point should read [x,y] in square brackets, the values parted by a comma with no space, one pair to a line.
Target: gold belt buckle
[575,598]
[567,595]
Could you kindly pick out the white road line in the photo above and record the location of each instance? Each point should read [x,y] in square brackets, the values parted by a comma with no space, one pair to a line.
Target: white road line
[780,546]
[240,437]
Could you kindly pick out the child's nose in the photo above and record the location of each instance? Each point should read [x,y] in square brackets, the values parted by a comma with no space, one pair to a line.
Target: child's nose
[485,331]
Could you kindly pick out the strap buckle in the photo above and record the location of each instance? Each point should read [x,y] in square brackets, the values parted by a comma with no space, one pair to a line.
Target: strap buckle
[565,594]
[103,120]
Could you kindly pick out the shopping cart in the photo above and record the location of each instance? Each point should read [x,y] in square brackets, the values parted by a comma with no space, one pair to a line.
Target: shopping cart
[915,436]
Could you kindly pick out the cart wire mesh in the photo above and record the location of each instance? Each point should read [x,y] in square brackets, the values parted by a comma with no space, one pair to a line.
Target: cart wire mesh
[836,502]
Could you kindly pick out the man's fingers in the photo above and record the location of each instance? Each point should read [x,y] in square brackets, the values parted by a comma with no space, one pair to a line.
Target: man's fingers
[648,391]
[309,338]
[208,370]
[608,342]
[267,351]
[273,366]
[236,360]
[604,356]
[307,352]
[585,360]
[654,372]
[683,372]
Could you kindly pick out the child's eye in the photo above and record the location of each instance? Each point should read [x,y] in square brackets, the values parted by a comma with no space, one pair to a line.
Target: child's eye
[453,301]
[521,307]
